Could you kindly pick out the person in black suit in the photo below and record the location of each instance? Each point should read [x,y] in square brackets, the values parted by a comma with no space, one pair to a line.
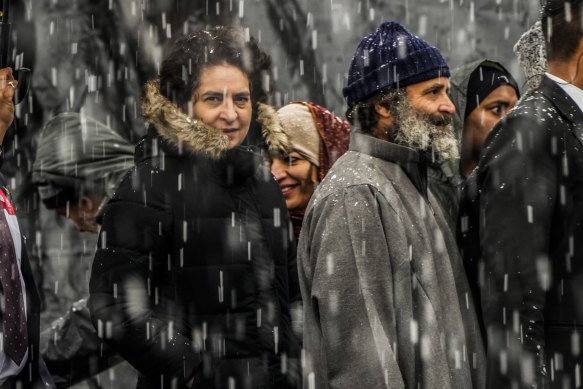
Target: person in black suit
[527,195]
[20,364]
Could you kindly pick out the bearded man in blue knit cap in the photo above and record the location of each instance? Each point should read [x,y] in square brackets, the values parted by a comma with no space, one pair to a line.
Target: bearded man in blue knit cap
[386,300]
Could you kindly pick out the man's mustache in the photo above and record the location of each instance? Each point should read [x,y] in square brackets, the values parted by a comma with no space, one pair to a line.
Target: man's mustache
[443,119]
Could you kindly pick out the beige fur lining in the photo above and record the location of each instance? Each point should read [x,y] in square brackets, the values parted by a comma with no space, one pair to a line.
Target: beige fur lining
[272,130]
[194,136]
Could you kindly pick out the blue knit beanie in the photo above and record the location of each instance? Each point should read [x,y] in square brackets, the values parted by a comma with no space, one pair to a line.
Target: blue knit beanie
[391,57]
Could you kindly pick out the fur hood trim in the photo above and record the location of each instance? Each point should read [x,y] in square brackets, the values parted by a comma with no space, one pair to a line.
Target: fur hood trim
[194,136]
[278,143]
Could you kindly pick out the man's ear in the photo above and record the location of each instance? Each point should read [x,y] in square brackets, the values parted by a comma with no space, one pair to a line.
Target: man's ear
[385,123]
[86,203]
[383,111]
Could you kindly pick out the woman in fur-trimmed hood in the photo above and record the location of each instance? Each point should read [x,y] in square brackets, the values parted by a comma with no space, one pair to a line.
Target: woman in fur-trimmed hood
[195,278]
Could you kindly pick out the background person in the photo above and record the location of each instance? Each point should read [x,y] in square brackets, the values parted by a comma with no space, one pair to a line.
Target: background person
[79,163]
[484,95]
[82,82]
[318,138]
[20,363]
[483,92]
[195,273]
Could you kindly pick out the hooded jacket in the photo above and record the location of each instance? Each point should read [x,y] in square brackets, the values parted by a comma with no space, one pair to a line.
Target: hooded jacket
[195,271]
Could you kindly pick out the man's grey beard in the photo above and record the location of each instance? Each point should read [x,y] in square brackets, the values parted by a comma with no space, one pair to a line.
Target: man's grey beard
[421,132]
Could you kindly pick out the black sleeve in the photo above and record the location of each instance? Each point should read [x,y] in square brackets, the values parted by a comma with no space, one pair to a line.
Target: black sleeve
[133,250]
[72,350]
[518,186]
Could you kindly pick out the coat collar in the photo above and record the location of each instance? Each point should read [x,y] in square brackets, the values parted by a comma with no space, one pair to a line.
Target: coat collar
[192,136]
[412,162]
[564,104]
[234,166]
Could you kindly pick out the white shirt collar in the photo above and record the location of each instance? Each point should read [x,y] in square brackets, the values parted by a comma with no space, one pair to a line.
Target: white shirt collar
[575,93]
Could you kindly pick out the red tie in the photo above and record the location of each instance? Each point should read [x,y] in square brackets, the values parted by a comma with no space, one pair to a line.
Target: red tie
[14,318]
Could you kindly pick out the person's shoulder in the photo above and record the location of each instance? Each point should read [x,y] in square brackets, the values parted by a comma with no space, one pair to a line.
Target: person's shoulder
[354,176]
[137,201]
[534,116]
[533,101]
[127,191]
[526,135]
[352,168]
[545,105]
[355,168]
[144,183]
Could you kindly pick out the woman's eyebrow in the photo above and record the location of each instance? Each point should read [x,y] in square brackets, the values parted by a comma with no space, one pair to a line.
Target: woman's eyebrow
[213,93]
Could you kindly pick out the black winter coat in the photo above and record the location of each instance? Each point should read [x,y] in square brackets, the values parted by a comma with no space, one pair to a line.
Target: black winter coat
[528,197]
[195,271]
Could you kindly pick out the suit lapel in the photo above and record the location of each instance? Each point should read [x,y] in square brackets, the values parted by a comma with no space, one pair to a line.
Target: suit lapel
[565,105]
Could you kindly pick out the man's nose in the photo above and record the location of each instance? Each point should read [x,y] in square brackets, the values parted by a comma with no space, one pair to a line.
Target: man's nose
[446,105]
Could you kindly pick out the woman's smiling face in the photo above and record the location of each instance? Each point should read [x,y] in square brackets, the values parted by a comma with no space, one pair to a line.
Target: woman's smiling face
[296,177]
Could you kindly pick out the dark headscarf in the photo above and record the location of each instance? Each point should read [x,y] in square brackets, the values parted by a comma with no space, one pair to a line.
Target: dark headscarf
[488,76]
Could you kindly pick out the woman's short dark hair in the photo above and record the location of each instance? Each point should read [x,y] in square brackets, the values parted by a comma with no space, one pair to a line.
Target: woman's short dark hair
[564,19]
[190,54]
